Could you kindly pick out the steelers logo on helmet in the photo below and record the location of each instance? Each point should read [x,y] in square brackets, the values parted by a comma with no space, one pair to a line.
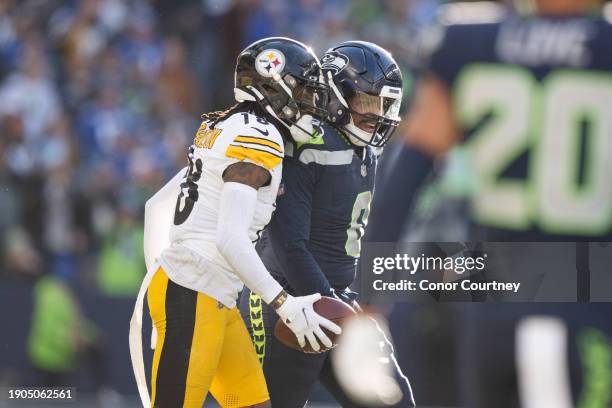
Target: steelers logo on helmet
[270,62]
[334,61]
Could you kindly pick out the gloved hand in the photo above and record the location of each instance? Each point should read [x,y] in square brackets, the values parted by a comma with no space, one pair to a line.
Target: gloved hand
[298,314]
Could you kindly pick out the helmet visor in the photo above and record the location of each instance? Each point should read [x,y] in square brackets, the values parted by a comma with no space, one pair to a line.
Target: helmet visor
[378,105]
[377,115]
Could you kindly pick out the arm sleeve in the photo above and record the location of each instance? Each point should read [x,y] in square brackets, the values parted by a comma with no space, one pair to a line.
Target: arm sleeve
[236,213]
[396,194]
[291,228]
[159,211]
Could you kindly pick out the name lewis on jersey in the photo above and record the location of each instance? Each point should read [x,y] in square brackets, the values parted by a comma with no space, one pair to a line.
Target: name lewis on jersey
[545,43]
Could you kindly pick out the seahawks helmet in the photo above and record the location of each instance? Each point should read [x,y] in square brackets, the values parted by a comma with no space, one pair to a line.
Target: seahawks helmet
[284,77]
[366,86]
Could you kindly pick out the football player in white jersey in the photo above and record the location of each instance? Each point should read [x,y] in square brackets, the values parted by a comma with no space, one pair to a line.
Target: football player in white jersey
[225,198]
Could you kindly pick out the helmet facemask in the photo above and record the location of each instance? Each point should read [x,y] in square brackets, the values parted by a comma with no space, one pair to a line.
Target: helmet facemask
[372,119]
[297,100]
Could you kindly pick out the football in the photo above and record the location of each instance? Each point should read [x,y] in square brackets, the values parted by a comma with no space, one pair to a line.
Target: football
[331,308]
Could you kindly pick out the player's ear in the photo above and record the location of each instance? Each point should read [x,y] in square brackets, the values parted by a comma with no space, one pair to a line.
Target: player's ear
[431,125]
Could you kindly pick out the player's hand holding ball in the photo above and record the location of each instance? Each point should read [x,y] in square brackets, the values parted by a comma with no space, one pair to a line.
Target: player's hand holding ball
[297,313]
[327,314]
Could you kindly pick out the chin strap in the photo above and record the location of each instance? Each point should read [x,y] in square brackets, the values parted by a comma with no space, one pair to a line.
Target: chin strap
[301,131]
[357,136]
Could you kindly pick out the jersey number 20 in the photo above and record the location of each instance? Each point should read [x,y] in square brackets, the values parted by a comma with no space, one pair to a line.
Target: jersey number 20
[564,124]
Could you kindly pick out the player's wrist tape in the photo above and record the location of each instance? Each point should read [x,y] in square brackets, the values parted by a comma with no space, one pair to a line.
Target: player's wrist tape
[279,300]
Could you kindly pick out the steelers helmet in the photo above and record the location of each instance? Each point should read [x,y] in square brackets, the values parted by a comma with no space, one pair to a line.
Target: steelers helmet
[285,78]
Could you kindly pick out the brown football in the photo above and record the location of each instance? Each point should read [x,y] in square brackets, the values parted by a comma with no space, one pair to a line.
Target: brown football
[330,308]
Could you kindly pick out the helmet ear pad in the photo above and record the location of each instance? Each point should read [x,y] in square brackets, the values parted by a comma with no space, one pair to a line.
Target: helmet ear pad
[338,113]
[337,108]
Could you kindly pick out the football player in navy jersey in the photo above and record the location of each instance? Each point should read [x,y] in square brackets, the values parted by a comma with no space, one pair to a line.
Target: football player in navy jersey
[529,97]
[313,241]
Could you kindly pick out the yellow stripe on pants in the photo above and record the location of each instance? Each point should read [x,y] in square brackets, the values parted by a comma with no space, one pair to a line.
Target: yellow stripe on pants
[156,298]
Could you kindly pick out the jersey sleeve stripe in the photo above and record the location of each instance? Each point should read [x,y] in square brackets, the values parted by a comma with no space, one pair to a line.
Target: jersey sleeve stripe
[280,156]
[259,141]
[263,148]
[262,157]
[327,158]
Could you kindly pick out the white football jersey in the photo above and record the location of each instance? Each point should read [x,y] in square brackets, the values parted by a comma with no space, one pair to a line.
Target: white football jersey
[192,260]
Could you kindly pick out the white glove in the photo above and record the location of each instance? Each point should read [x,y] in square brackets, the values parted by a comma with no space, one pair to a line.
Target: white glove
[297,313]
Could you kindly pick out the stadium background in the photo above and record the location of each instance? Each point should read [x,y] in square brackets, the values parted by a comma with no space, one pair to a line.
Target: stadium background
[99,100]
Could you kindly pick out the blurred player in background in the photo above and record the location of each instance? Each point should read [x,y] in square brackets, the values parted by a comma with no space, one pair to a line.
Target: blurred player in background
[224,201]
[530,97]
[312,244]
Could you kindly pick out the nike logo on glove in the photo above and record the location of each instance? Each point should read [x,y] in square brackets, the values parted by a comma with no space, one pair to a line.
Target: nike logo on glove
[265,133]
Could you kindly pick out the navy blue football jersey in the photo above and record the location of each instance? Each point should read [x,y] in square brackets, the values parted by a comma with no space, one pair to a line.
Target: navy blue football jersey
[533,99]
[314,238]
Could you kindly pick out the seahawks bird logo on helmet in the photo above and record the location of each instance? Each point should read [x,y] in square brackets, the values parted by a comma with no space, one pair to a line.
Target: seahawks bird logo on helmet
[334,61]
